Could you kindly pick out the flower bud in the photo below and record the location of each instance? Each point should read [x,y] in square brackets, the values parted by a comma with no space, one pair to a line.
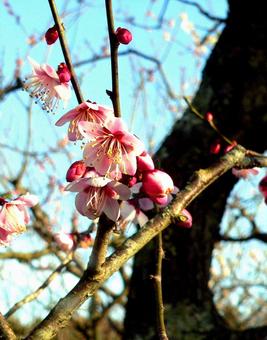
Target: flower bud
[263,186]
[123,36]
[64,240]
[145,162]
[51,35]
[185,219]
[63,73]
[230,147]
[208,116]
[215,147]
[76,171]
[157,183]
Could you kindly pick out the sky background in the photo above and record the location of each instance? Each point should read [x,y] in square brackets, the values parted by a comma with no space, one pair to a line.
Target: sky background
[145,107]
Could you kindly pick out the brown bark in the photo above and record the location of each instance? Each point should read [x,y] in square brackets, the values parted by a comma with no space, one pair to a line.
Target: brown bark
[234,88]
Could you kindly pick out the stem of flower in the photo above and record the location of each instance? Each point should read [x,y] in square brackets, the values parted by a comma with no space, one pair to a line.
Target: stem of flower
[114,45]
[65,50]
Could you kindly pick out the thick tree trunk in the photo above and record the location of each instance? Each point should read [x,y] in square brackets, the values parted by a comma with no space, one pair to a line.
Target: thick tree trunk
[234,88]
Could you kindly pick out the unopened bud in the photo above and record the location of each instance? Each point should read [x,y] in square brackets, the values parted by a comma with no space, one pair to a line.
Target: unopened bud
[263,187]
[215,147]
[76,171]
[185,219]
[208,116]
[123,35]
[63,73]
[230,147]
[51,35]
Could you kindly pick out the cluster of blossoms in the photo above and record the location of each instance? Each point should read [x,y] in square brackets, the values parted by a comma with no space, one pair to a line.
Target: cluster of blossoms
[14,216]
[116,176]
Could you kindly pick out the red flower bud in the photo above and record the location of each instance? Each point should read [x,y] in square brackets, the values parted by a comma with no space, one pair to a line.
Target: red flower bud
[230,147]
[263,187]
[208,116]
[144,162]
[63,73]
[76,171]
[51,35]
[123,35]
[157,184]
[215,147]
[185,219]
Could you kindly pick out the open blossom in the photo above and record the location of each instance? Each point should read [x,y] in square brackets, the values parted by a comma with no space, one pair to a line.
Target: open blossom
[99,195]
[14,216]
[132,211]
[44,85]
[86,111]
[64,240]
[112,150]
[159,186]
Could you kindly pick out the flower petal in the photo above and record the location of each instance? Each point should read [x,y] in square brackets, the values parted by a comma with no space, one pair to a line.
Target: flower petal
[111,209]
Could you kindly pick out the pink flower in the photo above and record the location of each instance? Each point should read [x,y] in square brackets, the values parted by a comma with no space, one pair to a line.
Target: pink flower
[64,240]
[112,150]
[51,35]
[45,86]
[123,35]
[99,195]
[86,111]
[244,173]
[76,171]
[14,216]
[159,186]
[185,219]
[131,211]
[145,162]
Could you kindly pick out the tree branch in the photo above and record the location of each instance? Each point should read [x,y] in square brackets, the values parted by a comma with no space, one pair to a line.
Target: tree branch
[114,45]
[65,50]
[6,333]
[86,287]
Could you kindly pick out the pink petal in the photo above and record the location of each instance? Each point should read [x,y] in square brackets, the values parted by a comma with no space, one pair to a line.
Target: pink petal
[90,130]
[99,182]
[145,204]
[4,236]
[116,124]
[130,164]
[122,190]
[63,91]
[80,203]
[136,144]
[67,117]
[78,185]
[141,218]
[111,209]
[50,72]
[29,200]
[128,211]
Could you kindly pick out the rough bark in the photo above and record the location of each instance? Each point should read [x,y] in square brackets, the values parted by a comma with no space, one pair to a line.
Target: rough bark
[234,88]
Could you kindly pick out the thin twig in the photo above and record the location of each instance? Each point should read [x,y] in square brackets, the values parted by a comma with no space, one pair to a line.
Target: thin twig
[162,333]
[65,50]
[114,45]
[46,283]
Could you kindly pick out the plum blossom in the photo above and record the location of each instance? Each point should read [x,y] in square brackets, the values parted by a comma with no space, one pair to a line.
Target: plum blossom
[14,216]
[97,195]
[263,187]
[86,111]
[51,35]
[158,186]
[44,85]
[131,211]
[64,240]
[123,36]
[112,150]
